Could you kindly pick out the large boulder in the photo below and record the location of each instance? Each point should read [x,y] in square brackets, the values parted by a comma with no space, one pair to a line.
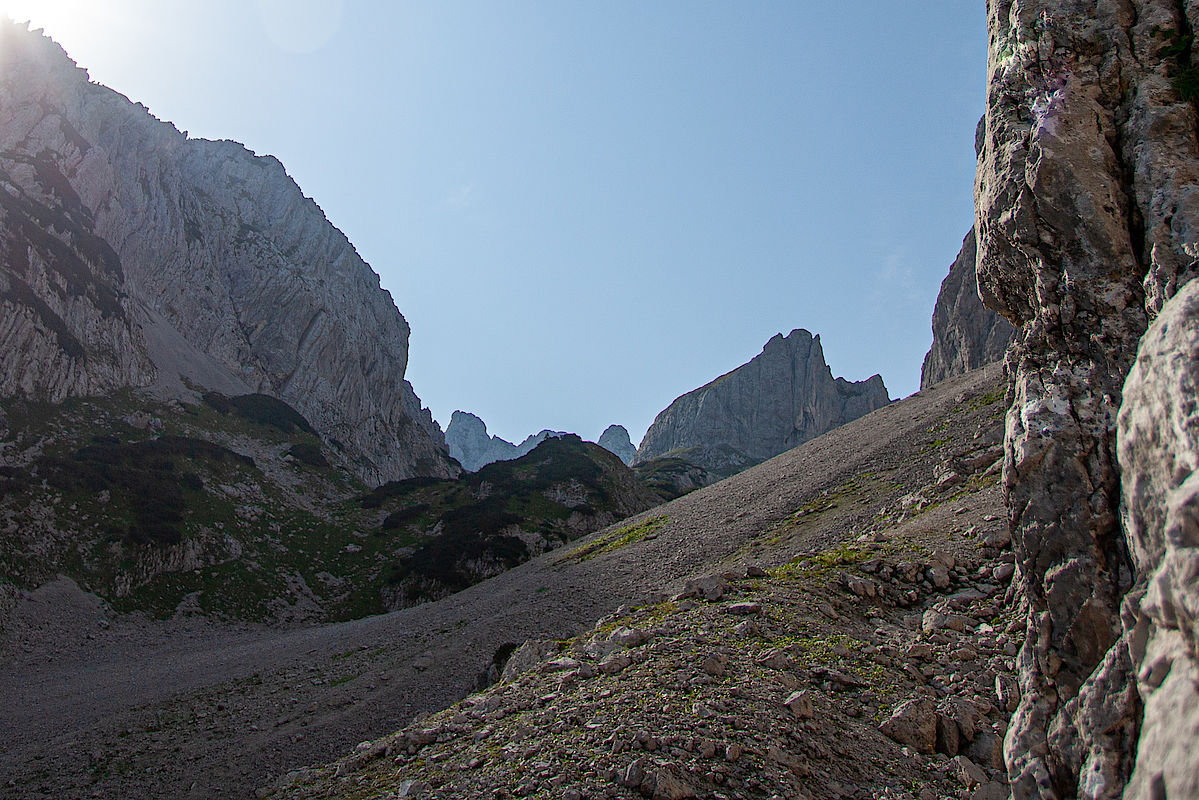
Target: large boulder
[1159,455]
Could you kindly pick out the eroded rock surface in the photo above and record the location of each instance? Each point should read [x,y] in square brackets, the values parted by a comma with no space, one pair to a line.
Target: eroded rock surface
[136,256]
[1159,453]
[615,439]
[1086,222]
[468,441]
[782,398]
[966,334]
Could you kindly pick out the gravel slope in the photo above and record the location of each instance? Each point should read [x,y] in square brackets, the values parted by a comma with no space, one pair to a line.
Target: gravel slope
[190,709]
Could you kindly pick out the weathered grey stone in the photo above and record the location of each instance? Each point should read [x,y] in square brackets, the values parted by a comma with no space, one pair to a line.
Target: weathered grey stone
[134,256]
[966,334]
[469,443]
[800,704]
[1159,454]
[782,398]
[527,656]
[1087,220]
[615,439]
[913,723]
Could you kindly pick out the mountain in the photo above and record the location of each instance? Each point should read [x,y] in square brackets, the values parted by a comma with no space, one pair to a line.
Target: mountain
[966,334]
[615,439]
[783,397]
[466,530]
[468,442]
[136,257]
[656,642]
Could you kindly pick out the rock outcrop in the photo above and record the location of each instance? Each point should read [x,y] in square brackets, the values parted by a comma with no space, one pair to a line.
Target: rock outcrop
[1087,220]
[469,443]
[1159,454]
[782,398]
[615,439]
[134,256]
[966,334]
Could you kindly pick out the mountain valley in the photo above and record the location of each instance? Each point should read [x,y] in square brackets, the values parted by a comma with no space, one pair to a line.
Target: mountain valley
[239,558]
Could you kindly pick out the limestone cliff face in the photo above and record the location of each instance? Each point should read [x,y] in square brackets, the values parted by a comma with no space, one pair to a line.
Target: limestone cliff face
[783,397]
[1087,222]
[615,439]
[966,334]
[135,256]
[469,443]
[1159,461]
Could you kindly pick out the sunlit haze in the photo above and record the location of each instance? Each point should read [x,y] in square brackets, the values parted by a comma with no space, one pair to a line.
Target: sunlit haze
[586,209]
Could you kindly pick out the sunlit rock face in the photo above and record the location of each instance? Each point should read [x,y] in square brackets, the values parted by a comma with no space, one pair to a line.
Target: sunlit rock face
[1159,458]
[135,256]
[966,334]
[783,397]
[1087,218]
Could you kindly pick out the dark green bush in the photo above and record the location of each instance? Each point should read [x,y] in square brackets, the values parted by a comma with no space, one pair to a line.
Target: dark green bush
[309,454]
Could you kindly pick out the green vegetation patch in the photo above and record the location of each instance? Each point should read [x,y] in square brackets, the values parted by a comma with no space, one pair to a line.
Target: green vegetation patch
[614,540]
[260,408]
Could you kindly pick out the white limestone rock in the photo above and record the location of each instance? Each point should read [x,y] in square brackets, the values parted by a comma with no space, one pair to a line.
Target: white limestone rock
[135,256]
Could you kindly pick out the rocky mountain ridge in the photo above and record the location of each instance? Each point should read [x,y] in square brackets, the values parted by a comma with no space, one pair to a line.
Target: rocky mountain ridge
[136,257]
[469,443]
[966,334]
[781,398]
[473,447]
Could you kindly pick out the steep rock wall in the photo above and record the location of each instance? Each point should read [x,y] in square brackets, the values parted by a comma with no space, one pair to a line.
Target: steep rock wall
[1159,455]
[163,259]
[783,397]
[966,334]
[1087,214]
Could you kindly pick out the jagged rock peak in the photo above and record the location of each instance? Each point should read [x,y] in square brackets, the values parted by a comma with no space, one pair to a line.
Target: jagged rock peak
[966,334]
[783,397]
[134,256]
[615,439]
[468,441]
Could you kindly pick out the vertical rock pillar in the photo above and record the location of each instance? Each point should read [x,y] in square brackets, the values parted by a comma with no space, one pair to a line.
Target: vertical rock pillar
[1086,220]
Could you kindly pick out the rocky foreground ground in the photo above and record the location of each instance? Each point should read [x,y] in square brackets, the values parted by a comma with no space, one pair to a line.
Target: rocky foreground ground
[886,589]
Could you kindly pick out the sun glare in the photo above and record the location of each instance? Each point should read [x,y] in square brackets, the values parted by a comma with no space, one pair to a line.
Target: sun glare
[77,25]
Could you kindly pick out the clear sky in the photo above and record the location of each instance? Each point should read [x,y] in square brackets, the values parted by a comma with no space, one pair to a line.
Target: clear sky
[586,209]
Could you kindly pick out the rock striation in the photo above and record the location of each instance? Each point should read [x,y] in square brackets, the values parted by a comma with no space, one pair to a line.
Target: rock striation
[469,443]
[615,439]
[783,397]
[966,334]
[1088,222]
[134,256]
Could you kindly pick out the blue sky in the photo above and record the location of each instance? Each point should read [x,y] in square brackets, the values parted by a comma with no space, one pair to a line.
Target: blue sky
[587,209]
